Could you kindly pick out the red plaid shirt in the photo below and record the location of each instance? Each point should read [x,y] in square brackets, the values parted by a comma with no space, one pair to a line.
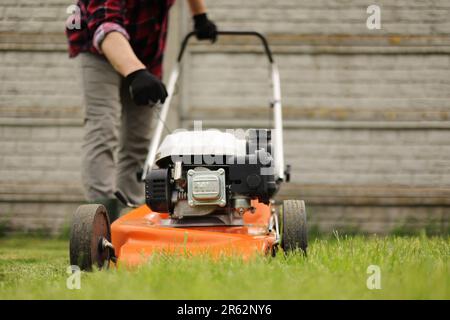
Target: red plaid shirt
[142,22]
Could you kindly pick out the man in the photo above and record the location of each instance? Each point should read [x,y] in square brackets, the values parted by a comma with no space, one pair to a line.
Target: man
[121,45]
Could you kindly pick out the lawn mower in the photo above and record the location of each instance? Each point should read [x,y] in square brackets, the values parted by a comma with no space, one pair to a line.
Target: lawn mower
[206,192]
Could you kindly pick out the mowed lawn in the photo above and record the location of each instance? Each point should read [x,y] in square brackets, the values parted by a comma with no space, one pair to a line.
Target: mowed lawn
[336,268]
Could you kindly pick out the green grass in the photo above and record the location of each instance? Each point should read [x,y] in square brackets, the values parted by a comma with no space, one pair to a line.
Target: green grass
[411,268]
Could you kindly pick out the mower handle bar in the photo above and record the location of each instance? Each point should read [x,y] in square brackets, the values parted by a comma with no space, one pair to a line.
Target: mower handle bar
[275,104]
[228,33]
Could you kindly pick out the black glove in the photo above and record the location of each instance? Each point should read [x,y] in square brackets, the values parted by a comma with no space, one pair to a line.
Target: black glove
[204,28]
[145,88]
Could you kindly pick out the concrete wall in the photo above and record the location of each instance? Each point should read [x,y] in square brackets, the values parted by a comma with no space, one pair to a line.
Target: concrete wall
[366,111]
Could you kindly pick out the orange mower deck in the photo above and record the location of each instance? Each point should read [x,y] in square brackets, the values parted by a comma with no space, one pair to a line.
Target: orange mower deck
[139,234]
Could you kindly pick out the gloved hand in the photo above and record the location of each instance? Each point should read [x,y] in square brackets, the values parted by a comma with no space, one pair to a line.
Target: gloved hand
[145,88]
[204,28]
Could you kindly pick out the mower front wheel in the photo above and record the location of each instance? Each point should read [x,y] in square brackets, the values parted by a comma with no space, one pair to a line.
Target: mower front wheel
[294,233]
[89,233]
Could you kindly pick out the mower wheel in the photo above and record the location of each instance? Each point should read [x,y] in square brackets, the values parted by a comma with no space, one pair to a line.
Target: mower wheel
[294,230]
[90,229]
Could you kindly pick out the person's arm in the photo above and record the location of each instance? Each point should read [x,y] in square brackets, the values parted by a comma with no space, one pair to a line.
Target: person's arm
[117,49]
[145,88]
[107,25]
[119,53]
[197,6]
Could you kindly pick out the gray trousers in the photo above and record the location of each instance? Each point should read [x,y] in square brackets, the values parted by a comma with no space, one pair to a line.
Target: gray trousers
[116,133]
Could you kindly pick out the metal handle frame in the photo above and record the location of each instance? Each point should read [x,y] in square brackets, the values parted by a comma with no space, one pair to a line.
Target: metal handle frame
[275,103]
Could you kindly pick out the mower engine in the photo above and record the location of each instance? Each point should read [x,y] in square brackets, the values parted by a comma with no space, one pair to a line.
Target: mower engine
[210,177]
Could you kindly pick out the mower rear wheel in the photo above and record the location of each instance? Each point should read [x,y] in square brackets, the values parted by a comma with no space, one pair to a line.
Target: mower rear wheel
[294,229]
[90,227]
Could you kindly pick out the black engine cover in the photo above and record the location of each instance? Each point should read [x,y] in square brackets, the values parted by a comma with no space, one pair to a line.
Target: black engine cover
[246,178]
[158,190]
